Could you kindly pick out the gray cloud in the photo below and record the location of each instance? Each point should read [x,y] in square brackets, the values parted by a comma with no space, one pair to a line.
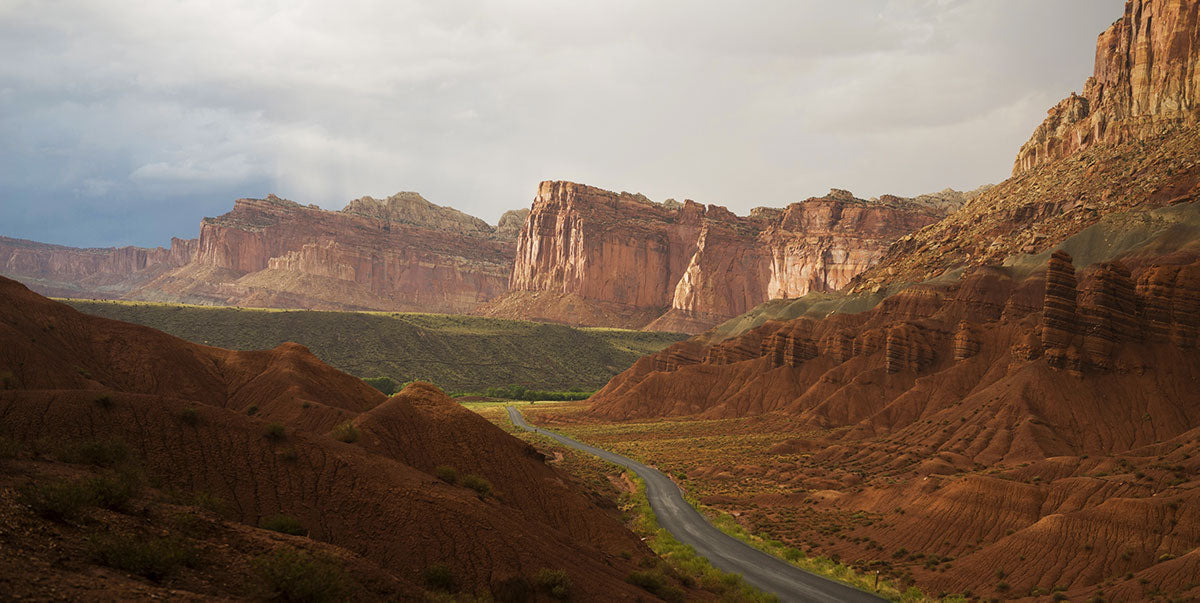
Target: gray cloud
[125,122]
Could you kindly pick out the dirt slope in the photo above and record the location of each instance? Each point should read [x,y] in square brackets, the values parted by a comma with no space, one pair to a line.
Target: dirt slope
[199,420]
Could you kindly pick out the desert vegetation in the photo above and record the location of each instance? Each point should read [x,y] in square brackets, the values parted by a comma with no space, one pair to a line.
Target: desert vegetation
[459,353]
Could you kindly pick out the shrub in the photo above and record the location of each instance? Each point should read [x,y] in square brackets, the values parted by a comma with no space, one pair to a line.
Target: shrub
[189,416]
[294,575]
[439,577]
[554,582]
[57,501]
[387,385]
[655,583]
[446,473]
[481,486]
[284,524]
[515,589]
[104,401]
[275,432]
[7,380]
[252,410]
[114,490]
[153,558]
[101,453]
[8,448]
[346,432]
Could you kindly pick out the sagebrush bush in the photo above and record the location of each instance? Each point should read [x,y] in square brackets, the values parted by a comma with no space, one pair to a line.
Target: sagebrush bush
[115,490]
[189,416]
[153,558]
[556,583]
[101,453]
[346,432]
[655,583]
[252,410]
[446,473]
[275,432]
[481,486]
[439,577]
[57,500]
[285,524]
[294,575]
[514,589]
[104,401]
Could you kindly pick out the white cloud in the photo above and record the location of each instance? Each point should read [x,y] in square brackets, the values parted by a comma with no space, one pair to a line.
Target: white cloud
[473,102]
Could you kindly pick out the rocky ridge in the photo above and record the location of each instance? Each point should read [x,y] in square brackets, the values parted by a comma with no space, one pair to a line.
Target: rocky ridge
[105,273]
[1146,78]
[693,265]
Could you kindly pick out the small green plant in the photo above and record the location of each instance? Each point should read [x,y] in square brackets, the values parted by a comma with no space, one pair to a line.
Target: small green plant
[387,385]
[655,583]
[514,589]
[253,410]
[275,432]
[115,490]
[101,453]
[154,558]
[9,449]
[294,575]
[57,500]
[284,524]
[439,577]
[104,401]
[556,583]
[481,486]
[446,473]
[189,416]
[346,432]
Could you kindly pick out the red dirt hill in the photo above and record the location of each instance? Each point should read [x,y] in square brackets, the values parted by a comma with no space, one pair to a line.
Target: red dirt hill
[70,378]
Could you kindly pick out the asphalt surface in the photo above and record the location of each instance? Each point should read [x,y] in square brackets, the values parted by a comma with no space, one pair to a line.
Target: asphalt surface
[769,573]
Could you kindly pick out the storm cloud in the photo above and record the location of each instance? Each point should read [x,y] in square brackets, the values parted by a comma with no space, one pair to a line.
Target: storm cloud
[126,122]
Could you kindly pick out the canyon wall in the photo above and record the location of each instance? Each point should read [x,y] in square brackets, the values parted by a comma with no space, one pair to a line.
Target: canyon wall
[61,271]
[400,253]
[1146,78]
[590,254]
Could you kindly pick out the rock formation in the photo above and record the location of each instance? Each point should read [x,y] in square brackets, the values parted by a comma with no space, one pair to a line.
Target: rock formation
[622,254]
[94,273]
[1147,77]
[401,253]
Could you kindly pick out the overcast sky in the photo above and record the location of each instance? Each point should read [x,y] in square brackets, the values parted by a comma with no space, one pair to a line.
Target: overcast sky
[127,122]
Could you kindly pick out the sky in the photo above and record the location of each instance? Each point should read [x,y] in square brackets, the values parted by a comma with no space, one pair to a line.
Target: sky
[126,122]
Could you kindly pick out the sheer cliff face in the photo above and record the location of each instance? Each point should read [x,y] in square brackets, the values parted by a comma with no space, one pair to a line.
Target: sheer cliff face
[97,273]
[402,253]
[699,264]
[1147,77]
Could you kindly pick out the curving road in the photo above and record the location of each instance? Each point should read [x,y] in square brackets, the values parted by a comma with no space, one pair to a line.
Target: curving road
[725,552]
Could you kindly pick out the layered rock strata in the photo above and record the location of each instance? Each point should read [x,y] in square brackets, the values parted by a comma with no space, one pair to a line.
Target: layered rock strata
[698,265]
[1146,77]
[105,273]
[401,253]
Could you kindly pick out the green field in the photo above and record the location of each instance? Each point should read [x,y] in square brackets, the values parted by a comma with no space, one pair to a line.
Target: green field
[458,353]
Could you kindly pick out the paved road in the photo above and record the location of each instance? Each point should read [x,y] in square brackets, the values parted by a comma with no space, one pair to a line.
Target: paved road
[725,552]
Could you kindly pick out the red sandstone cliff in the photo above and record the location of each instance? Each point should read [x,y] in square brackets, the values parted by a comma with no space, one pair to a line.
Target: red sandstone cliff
[590,256]
[62,271]
[1147,78]
[401,253]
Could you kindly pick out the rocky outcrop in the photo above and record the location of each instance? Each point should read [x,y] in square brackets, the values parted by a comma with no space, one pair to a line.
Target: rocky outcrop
[1147,77]
[1058,309]
[93,273]
[697,265]
[401,253]
[843,366]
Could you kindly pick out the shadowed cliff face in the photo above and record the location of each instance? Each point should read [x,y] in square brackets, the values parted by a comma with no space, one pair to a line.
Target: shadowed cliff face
[621,254]
[1147,77]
